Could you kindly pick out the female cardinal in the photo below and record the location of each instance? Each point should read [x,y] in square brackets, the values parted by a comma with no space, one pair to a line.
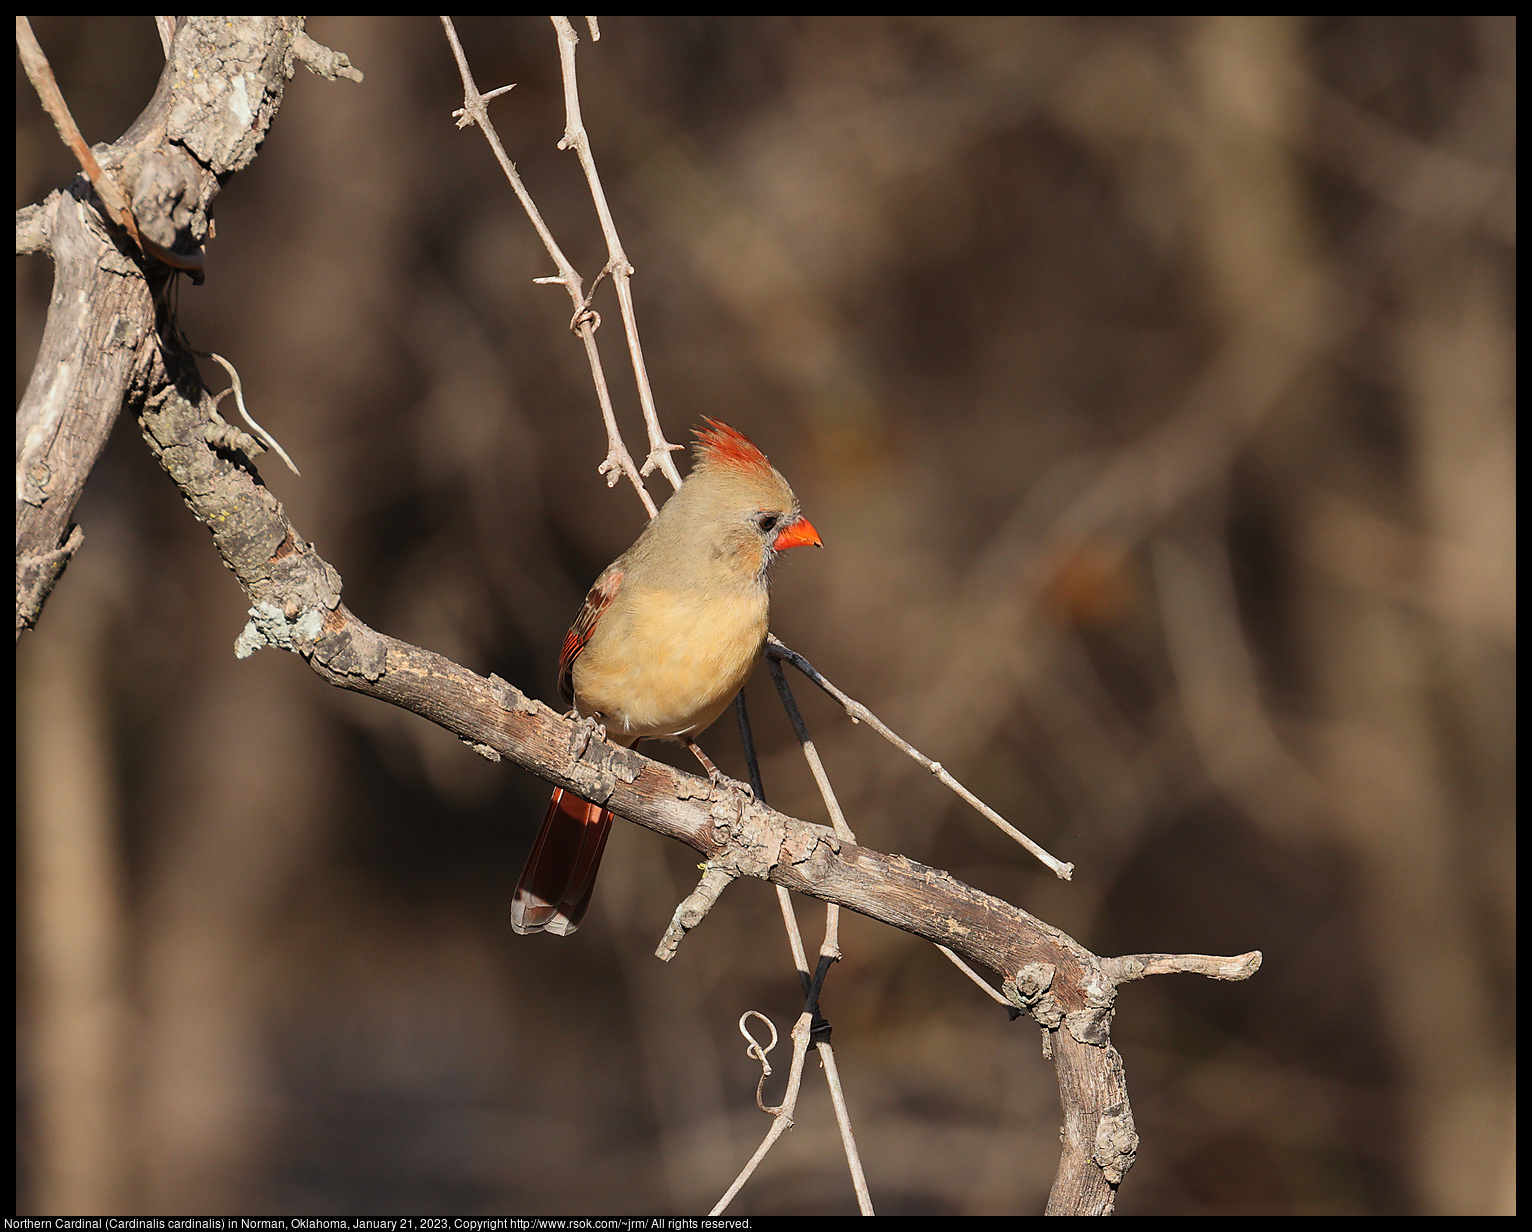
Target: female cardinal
[668,635]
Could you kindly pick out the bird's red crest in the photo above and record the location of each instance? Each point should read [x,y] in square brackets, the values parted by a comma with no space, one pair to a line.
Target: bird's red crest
[722,445]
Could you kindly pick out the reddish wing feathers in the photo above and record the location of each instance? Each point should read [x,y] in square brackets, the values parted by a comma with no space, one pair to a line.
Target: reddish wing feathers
[597,601]
[722,445]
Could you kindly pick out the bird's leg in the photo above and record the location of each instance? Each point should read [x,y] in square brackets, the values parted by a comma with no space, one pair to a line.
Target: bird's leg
[707,763]
[714,773]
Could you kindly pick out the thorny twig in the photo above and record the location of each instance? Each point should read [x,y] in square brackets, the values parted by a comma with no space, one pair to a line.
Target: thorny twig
[585,321]
[617,263]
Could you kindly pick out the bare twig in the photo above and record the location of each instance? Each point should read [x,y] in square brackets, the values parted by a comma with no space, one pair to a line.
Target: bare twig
[618,461]
[810,753]
[859,713]
[239,401]
[692,910]
[40,74]
[829,951]
[1139,966]
[618,265]
[975,977]
[843,1120]
[782,1113]
[784,899]
[324,61]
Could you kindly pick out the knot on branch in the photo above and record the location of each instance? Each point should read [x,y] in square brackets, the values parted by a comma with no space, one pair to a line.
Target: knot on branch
[226,438]
[267,626]
[1028,990]
[1090,1026]
[1116,1146]
[321,60]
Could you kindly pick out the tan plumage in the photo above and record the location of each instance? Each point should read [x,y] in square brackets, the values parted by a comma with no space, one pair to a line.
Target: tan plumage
[667,636]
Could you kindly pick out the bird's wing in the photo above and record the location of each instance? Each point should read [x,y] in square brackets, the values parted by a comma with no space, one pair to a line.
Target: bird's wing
[599,599]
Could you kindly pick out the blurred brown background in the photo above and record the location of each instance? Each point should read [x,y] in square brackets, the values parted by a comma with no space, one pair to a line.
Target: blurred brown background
[1151,384]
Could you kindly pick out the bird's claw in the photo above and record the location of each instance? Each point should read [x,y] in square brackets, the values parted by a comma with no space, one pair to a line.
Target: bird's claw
[589,728]
[720,779]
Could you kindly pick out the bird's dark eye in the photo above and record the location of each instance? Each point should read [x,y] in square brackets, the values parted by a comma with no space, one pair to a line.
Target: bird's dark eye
[767,522]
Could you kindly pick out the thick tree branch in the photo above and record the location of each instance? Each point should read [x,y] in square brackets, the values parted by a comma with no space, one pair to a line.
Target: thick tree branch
[99,341]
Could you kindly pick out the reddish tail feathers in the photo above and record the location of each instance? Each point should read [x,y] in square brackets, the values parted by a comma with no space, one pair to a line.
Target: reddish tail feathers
[556,884]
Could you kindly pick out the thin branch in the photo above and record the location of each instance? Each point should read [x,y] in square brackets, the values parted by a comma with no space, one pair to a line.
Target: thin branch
[777,650]
[782,1114]
[843,1120]
[618,265]
[618,461]
[784,899]
[1140,966]
[323,61]
[829,950]
[810,753]
[40,74]
[693,910]
[976,978]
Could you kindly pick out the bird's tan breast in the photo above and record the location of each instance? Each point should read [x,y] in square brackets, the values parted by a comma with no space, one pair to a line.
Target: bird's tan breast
[667,663]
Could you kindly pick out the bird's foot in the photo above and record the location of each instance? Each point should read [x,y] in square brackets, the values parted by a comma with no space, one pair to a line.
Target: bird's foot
[717,776]
[734,785]
[587,729]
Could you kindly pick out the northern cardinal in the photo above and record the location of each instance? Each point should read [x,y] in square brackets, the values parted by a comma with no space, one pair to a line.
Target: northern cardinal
[668,635]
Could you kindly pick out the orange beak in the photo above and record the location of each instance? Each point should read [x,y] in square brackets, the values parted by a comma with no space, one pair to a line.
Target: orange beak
[799,534]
